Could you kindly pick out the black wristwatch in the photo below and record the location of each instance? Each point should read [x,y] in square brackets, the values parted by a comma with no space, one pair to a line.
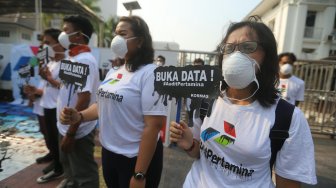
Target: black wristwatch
[139,176]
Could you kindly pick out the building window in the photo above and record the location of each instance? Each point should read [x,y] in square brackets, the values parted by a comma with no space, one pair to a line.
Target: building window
[311,31]
[335,22]
[308,50]
[332,53]
[25,36]
[4,33]
[310,19]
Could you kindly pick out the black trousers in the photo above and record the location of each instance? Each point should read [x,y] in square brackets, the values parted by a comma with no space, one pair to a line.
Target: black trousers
[118,169]
[52,135]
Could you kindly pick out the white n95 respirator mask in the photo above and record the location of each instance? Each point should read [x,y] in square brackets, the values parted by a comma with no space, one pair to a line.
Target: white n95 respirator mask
[286,69]
[238,70]
[64,40]
[119,46]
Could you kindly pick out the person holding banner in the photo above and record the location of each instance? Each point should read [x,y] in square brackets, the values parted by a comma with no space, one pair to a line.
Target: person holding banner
[49,73]
[232,144]
[77,139]
[130,112]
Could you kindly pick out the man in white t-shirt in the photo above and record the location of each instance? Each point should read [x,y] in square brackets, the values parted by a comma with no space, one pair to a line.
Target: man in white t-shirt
[77,140]
[291,87]
[49,74]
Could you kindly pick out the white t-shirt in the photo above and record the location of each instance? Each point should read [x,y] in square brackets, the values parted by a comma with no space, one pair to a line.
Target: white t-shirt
[37,108]
[92,84]
[235,148]
[123,99]
[50,93]
[292,89]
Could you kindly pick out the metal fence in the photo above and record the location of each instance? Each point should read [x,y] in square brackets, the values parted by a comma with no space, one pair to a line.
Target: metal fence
[319,105]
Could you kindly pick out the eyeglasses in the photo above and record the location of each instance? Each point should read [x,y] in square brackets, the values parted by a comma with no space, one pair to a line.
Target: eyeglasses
[246,47]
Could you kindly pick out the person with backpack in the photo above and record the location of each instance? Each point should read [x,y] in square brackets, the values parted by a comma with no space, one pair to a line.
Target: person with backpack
[232,144]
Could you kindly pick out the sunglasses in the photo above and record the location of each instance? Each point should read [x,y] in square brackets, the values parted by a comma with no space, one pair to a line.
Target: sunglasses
[246,47]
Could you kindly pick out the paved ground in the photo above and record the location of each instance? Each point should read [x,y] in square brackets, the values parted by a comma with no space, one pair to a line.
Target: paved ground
[177,164]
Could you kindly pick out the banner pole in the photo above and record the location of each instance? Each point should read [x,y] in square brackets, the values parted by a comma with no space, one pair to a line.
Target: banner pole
[69,95]
[178,110]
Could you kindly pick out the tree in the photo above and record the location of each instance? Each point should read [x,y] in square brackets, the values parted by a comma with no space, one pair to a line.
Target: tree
[92,4]
[108,32]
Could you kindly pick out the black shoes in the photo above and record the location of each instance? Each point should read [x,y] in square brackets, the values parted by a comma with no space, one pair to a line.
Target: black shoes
[44,159]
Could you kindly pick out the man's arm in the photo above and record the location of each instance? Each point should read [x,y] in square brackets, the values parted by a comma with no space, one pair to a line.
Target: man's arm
[82,103]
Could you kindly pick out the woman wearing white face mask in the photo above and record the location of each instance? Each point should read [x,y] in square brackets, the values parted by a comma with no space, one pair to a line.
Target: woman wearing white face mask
[232,145]
[130,117]
[291,87]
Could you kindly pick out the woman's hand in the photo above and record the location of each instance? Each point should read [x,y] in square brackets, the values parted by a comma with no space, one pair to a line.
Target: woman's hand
[69,116]
[181,134]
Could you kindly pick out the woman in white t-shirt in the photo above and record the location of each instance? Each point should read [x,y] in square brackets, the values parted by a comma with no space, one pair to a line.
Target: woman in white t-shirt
[232,144]
[130,114]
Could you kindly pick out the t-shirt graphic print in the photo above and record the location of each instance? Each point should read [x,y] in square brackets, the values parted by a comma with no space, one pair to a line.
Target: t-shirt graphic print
[227,138]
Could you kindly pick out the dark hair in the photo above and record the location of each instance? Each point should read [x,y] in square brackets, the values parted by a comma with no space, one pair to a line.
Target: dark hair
[53,33]
[145,53]
[268,76]
[162,57]
[82,24]
[288,54]
[199,60]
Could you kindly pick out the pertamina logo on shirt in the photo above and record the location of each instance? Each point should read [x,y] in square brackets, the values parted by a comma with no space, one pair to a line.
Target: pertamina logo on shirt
[219,162]
[112,81]
[225,139]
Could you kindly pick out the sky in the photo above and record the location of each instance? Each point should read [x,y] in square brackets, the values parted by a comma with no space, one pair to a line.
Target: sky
[197,25]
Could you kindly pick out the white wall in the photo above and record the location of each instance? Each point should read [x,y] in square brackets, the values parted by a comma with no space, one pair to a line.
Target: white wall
[15,36]
[5,52]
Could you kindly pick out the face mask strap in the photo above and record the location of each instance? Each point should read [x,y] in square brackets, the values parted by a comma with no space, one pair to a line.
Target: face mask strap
[255,80]
[73,33]
[130,38]
[85,36]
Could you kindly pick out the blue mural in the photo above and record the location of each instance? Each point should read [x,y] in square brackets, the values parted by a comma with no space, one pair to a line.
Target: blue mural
[19,120]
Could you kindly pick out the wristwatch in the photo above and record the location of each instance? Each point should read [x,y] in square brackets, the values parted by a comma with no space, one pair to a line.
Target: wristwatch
[139,176]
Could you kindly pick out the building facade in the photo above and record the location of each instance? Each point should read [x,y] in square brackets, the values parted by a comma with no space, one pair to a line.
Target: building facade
[305,27]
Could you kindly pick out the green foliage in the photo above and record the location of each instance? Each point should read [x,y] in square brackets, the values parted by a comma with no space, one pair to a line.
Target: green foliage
[92,4]
[108,31]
